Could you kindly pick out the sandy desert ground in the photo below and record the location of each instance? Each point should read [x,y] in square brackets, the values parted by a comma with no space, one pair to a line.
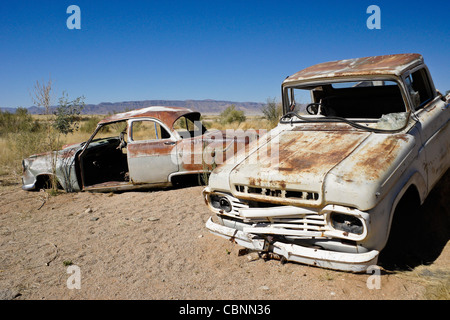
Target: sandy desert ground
[154,245]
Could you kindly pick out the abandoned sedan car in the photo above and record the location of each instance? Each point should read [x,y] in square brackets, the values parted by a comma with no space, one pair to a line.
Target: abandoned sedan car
[144,148]
[324,189]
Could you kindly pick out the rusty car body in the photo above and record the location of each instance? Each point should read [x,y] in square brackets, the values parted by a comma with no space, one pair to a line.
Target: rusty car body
[151,147]
[324,188]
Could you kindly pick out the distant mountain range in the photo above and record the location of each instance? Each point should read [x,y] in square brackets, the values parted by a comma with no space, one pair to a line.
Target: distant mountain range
[207,106]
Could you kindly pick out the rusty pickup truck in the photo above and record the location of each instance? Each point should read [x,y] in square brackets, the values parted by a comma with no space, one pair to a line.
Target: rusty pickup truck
[151,147]
[356,138]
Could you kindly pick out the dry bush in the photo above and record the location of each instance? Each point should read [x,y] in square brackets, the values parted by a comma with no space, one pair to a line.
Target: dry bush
[438,291]
[272,111]
[20,135]
[251,122]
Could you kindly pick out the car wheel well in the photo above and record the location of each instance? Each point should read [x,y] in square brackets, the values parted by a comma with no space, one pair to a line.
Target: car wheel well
[43,181]
[185,180]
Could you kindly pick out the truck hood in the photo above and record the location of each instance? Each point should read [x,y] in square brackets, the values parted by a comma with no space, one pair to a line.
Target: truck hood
[303,166]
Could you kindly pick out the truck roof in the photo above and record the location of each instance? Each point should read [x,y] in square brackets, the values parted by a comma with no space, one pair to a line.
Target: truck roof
[394,64]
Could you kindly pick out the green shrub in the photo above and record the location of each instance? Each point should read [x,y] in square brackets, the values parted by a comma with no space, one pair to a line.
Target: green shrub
[67,114]
[230,115]
[89,125]
[20,121]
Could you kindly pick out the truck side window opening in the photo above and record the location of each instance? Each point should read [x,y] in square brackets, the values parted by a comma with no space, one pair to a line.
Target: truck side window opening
[419,88]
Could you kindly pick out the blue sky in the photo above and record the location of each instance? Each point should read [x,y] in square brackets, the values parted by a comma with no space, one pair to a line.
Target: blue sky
[223,50]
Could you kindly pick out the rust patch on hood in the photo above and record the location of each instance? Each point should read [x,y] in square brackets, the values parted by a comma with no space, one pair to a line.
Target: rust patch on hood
[314,152]
[376,158]
[304,158]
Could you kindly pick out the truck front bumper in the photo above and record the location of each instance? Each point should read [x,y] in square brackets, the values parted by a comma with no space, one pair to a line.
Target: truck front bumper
[353,262]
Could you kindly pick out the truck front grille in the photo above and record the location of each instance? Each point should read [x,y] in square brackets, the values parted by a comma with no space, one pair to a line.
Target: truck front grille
[278,193]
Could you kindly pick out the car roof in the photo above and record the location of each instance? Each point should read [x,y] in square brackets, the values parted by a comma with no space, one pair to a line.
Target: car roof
[394,64]
[167,115]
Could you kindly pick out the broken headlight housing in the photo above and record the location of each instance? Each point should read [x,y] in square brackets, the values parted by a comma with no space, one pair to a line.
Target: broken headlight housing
[220,202]
[347,223]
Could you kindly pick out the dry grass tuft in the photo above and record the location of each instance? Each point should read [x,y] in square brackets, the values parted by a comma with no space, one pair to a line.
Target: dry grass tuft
[435,280]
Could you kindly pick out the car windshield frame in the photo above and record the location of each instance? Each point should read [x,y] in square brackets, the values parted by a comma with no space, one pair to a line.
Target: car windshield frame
[387,123]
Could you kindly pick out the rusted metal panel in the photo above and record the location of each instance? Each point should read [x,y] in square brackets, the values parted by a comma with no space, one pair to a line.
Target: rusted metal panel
[142,149]
[371,170]
[394,64]
[375,158]
[304,158]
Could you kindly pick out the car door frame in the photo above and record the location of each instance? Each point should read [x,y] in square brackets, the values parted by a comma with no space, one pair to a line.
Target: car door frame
[144,156]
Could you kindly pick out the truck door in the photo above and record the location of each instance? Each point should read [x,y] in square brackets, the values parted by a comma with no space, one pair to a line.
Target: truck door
[434,116]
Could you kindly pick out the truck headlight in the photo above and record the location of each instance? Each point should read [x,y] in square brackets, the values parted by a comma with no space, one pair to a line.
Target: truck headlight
[220,202]
[347,223]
